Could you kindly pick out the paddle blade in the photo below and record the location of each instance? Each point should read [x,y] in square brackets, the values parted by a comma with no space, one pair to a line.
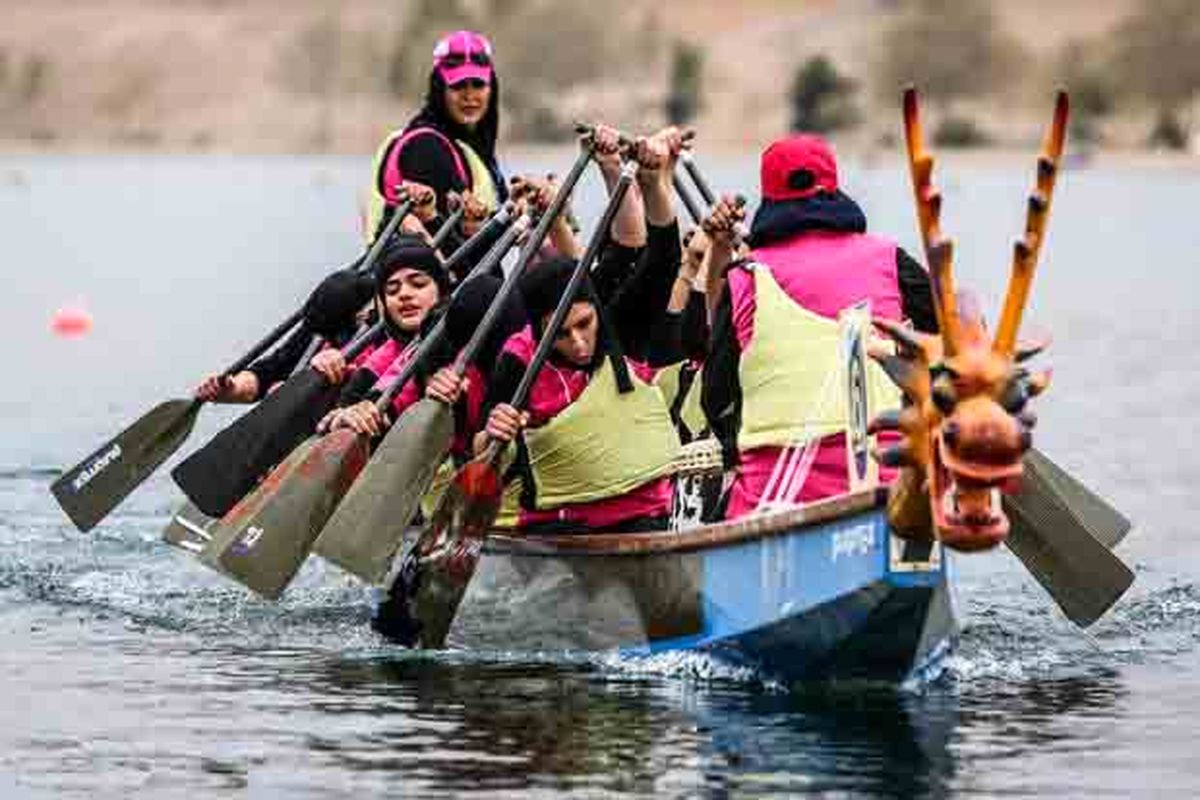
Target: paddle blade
[1055,545]
[91,489]
[218,475]
[188,529]
[264,539]
[440,565]
[1045,479]
[368,527]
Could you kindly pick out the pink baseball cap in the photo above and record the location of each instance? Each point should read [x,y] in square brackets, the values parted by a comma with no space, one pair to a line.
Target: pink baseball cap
[463,56]
[798,167]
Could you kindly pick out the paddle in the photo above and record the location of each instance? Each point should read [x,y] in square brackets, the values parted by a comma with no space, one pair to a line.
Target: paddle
[437,570]
[368,525]
[89,491]
[221,472]
[265,538]
[1062,533]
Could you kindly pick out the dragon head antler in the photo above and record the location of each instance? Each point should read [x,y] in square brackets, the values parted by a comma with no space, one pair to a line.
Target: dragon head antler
[967,427]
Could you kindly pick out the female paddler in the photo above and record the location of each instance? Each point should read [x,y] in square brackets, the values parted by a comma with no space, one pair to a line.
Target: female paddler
[595,444]
[450,145]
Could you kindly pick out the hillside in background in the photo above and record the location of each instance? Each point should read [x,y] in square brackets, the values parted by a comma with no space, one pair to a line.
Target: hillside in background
[310,76]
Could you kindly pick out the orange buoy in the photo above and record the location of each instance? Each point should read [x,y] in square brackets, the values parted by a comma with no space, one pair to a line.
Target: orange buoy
[71,321]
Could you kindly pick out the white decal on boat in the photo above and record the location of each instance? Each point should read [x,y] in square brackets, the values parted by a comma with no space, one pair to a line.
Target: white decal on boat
[856,541]
[250,538]
[96,467]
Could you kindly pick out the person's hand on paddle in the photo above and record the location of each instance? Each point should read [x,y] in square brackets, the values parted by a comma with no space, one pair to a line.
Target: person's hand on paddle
[505,422]
[695,250]
[446,386]
[655,156]
[539,193]
[239,388]
[606,149]
[424,200]
[330,363]
[720,224]
[475,213]
[362,417]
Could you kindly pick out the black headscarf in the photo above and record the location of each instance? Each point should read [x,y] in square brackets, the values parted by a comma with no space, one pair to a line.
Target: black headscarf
[470,302]
[413,253]
[541,289]
[332,307]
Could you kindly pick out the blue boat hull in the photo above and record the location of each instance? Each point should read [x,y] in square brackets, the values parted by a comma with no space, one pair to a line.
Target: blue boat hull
[829,594]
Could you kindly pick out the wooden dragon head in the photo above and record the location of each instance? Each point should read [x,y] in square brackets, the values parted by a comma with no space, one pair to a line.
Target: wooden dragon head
[967,425]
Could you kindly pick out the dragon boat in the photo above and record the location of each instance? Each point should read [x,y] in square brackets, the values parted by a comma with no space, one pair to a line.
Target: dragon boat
[855,586]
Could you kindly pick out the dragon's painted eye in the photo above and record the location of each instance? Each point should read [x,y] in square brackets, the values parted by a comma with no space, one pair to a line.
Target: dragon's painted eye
[1016,393]
[942,390]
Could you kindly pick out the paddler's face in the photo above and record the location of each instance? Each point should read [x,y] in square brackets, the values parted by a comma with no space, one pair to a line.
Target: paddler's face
[468,101]
[409,295]
[576,339]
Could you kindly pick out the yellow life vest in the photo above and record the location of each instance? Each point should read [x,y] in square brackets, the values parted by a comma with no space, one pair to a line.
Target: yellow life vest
[603,445]
[795,373]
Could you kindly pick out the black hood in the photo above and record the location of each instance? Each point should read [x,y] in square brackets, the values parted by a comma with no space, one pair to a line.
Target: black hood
[779,220]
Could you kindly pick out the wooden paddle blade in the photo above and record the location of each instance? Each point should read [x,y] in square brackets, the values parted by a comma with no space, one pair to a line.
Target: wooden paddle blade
[189,529]
[218,475]
[1029,246]
[1057,547]
[364,534]
[91,489]
[263,541]
[440,565]
[1045,479]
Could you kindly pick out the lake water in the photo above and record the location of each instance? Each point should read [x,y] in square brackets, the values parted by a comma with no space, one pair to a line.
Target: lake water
[128,669]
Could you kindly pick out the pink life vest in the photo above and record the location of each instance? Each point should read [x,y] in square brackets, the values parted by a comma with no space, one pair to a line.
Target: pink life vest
[824,272]
[554,388]
[392,177]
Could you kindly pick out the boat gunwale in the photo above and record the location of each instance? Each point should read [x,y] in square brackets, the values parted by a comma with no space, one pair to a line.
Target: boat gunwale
[718,534]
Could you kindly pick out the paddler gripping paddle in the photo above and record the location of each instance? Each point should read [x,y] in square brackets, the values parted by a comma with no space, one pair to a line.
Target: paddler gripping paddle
[435,573]
[265,538]
[368,527]
[967,426]
[220,473]
[89,491]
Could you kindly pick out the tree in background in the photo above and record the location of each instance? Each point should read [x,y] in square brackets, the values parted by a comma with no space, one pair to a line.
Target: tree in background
[822,99]
[951,50]
[683,94]
[1157,58]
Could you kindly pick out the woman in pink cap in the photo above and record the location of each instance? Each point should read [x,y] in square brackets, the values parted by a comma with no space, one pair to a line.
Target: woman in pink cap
[450,145]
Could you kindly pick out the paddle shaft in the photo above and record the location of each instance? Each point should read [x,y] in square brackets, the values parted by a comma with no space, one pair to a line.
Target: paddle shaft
[434,337]
[546,343]
[689,201]
[497,222]
[443,233]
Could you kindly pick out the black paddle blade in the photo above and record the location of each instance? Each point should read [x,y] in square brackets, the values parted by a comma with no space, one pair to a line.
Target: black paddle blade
[1043,478]
[97,485]
[1055,545]
[263,541]
[218,475]
[440,565]
[367,529]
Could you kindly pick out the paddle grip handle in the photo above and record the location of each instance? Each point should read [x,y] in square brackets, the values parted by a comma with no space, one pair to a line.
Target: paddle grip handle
[599,236]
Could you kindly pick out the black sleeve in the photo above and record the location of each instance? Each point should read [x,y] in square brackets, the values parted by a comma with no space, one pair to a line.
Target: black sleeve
[695,334]
[664,345]
[359,386]
[721,390]
[916,292]
[278,364]
[615,265]
[505,378]
[642,301]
